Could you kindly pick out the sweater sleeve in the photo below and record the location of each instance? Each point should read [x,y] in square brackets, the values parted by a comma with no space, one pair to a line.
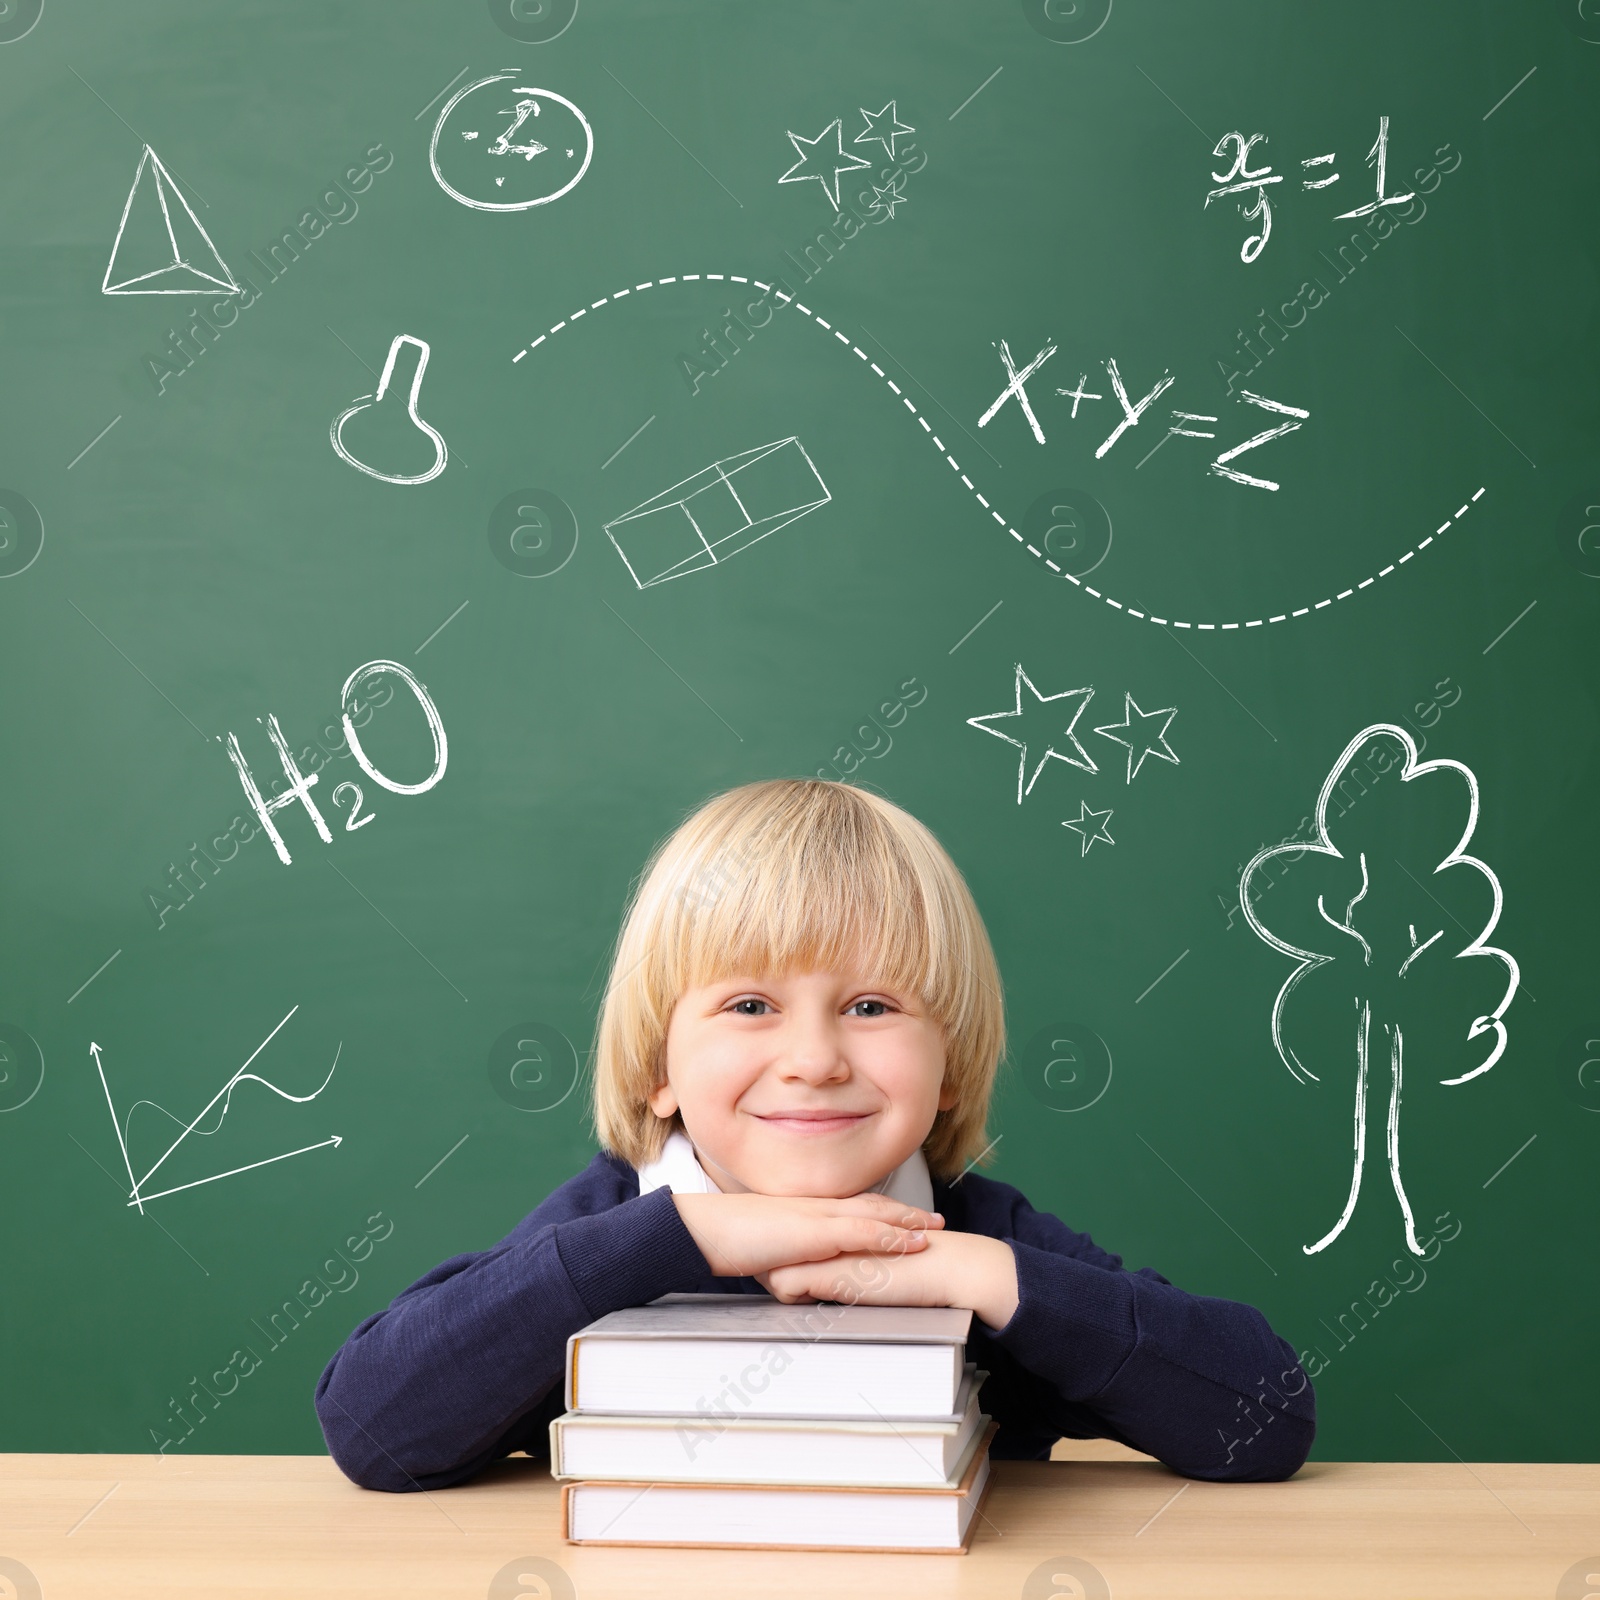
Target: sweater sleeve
[452,1375]
[1202,1384]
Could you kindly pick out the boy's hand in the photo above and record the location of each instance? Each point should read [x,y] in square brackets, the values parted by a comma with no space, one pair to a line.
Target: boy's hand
[955,1269]
[745,1235]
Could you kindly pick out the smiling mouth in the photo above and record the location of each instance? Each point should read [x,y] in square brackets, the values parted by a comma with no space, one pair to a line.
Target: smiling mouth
[812,1122]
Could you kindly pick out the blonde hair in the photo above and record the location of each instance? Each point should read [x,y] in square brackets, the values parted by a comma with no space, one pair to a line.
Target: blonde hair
[798,875]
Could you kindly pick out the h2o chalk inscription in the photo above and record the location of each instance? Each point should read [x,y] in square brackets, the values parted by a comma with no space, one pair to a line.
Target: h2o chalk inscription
[300,784]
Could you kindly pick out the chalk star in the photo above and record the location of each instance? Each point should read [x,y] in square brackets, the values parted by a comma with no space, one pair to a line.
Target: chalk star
[874,118]
[835,162]
[1086,815]
[1083,759]
[1138,746]
[895,189]
[1079,393]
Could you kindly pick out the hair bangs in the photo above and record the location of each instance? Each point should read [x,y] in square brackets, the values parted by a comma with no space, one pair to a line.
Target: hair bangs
[807,897]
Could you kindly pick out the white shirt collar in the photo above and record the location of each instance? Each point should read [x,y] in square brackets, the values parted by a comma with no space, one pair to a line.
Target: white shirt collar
[678,1168]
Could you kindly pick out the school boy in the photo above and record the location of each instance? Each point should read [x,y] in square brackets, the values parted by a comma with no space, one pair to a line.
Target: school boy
[793,1070]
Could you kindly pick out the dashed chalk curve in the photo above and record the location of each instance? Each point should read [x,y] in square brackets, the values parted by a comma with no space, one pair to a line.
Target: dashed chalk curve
[955,466]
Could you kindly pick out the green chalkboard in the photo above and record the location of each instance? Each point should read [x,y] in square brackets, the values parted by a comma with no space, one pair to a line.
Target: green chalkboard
[783,390]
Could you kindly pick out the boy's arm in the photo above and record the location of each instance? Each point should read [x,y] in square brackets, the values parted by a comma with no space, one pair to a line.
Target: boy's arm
[452,1375]
[1202,1384]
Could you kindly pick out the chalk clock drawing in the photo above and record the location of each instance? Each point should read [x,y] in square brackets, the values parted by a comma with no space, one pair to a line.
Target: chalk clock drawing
[165,250]
[500,145]
[139,1194]
[441,453]
[1379,950]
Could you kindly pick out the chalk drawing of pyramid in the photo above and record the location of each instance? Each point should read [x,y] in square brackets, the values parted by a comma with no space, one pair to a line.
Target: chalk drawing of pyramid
[721,510]
[160,246]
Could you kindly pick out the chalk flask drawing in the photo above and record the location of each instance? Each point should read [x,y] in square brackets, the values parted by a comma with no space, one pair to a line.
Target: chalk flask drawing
[161,246]
[441,453]
[1377,937]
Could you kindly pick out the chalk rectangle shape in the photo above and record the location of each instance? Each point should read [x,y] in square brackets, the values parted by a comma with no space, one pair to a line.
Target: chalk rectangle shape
[719,511]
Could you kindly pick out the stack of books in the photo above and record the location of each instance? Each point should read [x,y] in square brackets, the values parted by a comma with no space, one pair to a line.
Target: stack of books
[738,1421]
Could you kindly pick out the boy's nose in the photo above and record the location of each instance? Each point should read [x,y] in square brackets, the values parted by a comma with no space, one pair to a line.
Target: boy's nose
[812,1051]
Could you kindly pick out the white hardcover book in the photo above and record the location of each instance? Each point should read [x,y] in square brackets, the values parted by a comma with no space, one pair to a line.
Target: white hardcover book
[711,1449]
[687,1354]
[754,1516]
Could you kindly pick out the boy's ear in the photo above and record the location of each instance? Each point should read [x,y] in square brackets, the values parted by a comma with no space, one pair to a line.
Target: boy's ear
[663,1101]
[947,1098]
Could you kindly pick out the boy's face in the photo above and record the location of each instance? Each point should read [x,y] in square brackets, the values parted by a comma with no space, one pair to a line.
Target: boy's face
[812,1084]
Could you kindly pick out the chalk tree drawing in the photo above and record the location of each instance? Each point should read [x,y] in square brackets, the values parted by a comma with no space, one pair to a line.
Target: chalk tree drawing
[137,1195]
[165,250]
[1062,742]
[503,146]
[721,510]
[441,453]
[1369,940]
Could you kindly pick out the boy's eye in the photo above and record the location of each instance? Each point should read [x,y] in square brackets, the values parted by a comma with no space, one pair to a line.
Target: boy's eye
[869,1008]
[750,1008]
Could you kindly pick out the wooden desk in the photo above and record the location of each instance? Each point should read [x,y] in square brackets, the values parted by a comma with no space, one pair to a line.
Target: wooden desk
[203,1527]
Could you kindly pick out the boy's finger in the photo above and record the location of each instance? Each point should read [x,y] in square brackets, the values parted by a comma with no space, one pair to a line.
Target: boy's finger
[861,1236]
[861,1233]
[899,1211]
[784,1284]
[901,1242]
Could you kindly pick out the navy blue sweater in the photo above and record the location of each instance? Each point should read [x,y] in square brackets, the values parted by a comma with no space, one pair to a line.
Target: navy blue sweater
[467,1365]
